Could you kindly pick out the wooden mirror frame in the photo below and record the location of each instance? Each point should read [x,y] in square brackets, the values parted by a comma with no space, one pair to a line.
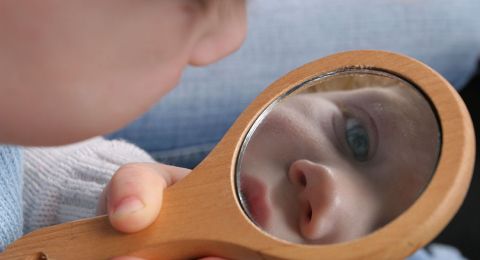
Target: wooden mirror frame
[202,216]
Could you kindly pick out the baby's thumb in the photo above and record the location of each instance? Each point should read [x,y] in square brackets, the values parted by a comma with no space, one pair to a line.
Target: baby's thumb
[134,195]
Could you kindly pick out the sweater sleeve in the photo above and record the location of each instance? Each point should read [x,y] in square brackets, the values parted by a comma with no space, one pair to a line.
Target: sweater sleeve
[11,219]
[64,183]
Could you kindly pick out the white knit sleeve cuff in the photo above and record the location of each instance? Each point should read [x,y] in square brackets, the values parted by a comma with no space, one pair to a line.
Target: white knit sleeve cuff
[64,183]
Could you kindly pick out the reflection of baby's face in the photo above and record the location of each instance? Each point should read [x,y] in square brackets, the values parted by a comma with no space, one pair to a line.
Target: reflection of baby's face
[329,167]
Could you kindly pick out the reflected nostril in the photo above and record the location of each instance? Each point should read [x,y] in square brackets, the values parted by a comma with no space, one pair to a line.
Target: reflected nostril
[309,213]
[302,179]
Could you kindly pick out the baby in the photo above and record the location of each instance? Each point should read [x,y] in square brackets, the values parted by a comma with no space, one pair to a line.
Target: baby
[328,166]
[71,70]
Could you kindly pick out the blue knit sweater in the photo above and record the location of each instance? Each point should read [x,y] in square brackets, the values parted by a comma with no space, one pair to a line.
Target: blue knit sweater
[11,217]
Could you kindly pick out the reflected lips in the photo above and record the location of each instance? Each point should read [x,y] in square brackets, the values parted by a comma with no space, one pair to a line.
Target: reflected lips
[255,192]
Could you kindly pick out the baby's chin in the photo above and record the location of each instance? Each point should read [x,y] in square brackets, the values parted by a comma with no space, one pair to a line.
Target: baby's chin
[54,131]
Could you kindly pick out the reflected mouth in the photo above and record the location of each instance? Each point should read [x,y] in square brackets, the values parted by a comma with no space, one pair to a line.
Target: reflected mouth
[253,193]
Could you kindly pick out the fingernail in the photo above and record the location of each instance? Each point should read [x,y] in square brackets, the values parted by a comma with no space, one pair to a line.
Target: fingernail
[128,206]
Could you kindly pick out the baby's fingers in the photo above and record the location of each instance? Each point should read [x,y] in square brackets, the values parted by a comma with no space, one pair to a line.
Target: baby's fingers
[134,195]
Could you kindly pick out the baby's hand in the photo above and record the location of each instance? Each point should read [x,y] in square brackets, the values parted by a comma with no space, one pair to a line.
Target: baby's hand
[133,197]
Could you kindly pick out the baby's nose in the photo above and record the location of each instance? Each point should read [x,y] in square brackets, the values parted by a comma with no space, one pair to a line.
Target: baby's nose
[317,197]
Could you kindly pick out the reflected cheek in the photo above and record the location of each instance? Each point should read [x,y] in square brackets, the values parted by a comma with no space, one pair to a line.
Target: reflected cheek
[361,211]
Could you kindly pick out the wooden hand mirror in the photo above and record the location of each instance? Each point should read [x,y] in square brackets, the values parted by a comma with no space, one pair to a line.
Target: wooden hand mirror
[362,154]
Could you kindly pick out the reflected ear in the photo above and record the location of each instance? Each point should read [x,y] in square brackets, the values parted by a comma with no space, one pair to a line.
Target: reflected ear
[225,37]
[317,198]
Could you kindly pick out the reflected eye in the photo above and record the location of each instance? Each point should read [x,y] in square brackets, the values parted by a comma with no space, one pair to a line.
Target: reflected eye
[357,138]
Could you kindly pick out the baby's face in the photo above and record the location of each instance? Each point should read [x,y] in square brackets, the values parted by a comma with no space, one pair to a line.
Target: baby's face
[329,167]
[74,69]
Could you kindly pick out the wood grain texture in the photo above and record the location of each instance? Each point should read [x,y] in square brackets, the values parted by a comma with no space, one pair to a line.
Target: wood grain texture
[201,214]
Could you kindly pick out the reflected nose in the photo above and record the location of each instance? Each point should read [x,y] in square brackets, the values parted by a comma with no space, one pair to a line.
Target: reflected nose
[317,197]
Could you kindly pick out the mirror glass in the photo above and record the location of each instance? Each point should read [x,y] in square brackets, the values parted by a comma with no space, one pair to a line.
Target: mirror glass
[337,157]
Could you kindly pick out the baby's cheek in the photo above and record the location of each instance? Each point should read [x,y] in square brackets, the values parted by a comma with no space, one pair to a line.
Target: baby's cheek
[363,209]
